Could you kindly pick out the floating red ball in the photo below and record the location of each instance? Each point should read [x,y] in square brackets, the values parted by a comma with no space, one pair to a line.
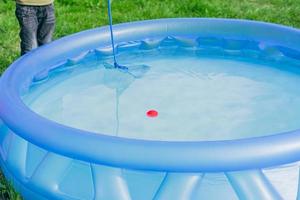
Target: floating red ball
[152,113]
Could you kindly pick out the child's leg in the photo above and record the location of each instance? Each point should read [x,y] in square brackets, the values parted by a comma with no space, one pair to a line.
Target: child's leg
[26,16]
[46,18]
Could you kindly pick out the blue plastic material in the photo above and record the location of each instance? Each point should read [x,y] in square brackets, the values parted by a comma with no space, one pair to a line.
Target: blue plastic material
[47,160]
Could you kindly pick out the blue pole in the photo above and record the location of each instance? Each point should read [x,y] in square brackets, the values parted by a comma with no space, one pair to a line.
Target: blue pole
[111,33]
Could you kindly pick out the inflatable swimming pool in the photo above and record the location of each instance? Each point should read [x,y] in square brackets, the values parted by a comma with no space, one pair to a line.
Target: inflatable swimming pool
[213,114]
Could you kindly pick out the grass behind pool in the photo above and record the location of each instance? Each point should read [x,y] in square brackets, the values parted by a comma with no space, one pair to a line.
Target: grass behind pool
[76,15]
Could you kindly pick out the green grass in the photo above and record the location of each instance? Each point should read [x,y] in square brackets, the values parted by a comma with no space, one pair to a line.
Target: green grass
[7,192]
[76,15]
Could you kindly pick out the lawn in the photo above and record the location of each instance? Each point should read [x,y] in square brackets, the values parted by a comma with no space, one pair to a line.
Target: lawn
[76,15]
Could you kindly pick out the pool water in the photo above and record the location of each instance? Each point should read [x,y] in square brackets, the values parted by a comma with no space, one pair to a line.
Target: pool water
[196,97]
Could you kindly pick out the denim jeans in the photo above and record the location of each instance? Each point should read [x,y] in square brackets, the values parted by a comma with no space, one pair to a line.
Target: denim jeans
[37,25]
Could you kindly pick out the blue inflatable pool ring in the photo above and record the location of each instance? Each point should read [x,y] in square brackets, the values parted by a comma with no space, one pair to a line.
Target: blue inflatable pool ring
[45,159]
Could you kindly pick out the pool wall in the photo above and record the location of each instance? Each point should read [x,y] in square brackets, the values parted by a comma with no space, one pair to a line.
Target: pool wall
[46,160]
[39,174]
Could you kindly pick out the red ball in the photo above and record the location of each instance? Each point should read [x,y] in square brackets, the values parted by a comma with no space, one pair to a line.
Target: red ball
[152,113]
